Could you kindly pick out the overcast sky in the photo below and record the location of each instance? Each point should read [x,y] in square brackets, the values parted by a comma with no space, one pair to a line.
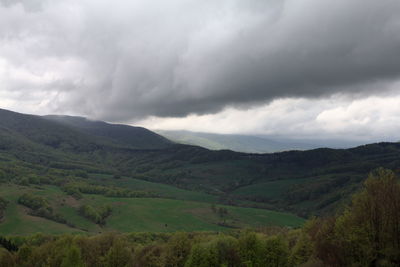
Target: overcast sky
[297,68]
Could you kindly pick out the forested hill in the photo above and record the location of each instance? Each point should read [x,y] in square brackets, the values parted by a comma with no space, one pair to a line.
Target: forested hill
[304,182]
[31,133]
[135,137]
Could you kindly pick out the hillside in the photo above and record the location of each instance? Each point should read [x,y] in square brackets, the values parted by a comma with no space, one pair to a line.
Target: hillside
[128,214]
[30,131]
[50,170]
[41,156]
[135,137]
[314,181]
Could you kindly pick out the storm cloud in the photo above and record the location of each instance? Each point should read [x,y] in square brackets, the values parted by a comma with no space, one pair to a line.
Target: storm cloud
[127,60]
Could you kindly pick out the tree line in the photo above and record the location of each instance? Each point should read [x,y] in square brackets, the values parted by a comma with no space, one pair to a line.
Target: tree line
[76,189]
[3,206]
[40,207]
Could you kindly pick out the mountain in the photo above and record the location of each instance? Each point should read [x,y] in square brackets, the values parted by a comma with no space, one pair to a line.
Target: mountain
[73,134]
[33,133]
[76,162]
[58,177]
[251,143]
[135,137]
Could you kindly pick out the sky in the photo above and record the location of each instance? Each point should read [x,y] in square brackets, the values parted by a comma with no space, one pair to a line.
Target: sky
[293,68]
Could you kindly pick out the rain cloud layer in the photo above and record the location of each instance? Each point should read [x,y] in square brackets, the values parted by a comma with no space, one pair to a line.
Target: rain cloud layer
[166,64]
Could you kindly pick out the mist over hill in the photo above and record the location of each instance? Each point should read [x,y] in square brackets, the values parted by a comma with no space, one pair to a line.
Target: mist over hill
[252,143]
[135,137]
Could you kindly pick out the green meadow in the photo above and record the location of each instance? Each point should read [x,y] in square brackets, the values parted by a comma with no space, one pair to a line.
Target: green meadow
[133,214]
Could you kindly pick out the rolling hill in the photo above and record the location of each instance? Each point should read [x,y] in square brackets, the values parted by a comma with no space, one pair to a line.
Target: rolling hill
[134,137]
[99,164]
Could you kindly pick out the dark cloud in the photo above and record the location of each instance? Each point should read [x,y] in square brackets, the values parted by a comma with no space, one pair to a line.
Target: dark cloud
[120,60]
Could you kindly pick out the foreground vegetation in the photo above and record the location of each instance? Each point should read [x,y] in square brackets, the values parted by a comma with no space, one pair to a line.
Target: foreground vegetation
[366,233]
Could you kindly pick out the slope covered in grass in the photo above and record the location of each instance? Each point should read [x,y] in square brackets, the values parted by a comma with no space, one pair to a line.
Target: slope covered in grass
[132,214]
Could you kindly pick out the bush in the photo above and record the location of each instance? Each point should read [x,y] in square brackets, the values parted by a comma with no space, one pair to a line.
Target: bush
[98,215]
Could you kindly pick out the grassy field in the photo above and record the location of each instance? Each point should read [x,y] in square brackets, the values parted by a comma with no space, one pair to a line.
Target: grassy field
[17,221]
[156,214]
[166,191]
[273,189]
[132,214]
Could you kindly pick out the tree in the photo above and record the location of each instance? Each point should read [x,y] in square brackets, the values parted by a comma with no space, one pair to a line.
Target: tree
[276,252]
[118,255]
[177,250]
[371,225]
[150,255]
[72,257]
[24,254]
[250,249]
[202,255]
[302,250]
[3,176]
[227,249]
[3,206]
[368,232]
[6,258]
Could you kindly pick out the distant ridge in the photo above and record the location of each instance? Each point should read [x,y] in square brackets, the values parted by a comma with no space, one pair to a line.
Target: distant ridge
[78,133]
[30,132]
[137,137]
[250,143]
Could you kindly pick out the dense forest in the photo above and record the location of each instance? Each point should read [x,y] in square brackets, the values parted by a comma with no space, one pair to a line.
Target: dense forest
[365,233]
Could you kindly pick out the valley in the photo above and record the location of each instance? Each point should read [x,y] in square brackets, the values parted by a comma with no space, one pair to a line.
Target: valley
[72,162]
